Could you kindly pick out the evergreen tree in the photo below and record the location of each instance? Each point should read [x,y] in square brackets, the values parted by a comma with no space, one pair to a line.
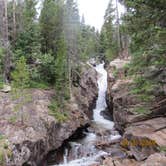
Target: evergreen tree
[28,41]
[20,76]
[145,22]
[51,25]
[61,77]
[20,81]
[109,39]
[88,43]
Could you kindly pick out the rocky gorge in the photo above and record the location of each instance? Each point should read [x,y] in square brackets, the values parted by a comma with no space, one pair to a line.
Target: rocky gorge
[143,132]
[29,143]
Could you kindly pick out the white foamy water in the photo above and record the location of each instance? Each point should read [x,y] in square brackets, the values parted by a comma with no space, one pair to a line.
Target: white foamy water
[101,101]
[85,161]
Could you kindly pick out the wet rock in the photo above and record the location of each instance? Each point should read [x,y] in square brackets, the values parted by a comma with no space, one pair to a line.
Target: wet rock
[116,151]
[105,143]
[92,61]
[107,115]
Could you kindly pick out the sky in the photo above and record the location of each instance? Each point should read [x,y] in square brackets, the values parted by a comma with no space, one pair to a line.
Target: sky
[94,11]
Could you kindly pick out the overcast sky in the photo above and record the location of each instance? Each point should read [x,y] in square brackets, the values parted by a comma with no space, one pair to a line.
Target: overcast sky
[94,11]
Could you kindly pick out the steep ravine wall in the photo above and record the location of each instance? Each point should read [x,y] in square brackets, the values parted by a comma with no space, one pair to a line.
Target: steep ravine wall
[30,143]
[143,134]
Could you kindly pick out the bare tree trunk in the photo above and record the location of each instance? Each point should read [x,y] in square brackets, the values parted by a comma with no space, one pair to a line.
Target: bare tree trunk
[1,19]
[14,22]
[118,29]
[5,41]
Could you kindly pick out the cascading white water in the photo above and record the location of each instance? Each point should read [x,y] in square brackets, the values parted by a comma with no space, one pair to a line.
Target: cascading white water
[87,144]
[65,156]
[101,101]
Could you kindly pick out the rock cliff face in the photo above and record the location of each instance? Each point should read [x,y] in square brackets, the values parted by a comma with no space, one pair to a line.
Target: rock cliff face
[144,131]
[87,92]
[29,143]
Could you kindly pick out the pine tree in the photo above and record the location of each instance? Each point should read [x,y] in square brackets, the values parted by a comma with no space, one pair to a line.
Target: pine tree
[28,40]
[20,75]
[109,33]
[145,22]
[61,77]
[20,81]
[51,25]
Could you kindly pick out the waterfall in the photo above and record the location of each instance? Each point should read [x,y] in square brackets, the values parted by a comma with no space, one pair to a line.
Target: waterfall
[101,101]
[84,151]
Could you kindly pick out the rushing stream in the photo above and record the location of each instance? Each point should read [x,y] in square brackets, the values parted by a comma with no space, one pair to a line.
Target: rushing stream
[83,152]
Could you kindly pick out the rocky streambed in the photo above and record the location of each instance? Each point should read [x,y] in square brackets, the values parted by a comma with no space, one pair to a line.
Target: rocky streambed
[143,134]
[88,149]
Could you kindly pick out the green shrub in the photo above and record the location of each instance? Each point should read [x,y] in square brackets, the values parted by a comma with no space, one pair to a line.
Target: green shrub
[141,110]
[39,85]
[4,149]
[115,72]
[2,158]
[146,98]
[20,81]
[143,89]
[57,113]
[1,85]
[13,119]
[20,76]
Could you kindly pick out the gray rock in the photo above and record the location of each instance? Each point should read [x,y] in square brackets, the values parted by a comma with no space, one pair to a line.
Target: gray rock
[6,88]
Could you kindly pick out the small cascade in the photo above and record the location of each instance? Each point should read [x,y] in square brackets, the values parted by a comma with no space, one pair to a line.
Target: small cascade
[65,156]
[83,152]
[101,101]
